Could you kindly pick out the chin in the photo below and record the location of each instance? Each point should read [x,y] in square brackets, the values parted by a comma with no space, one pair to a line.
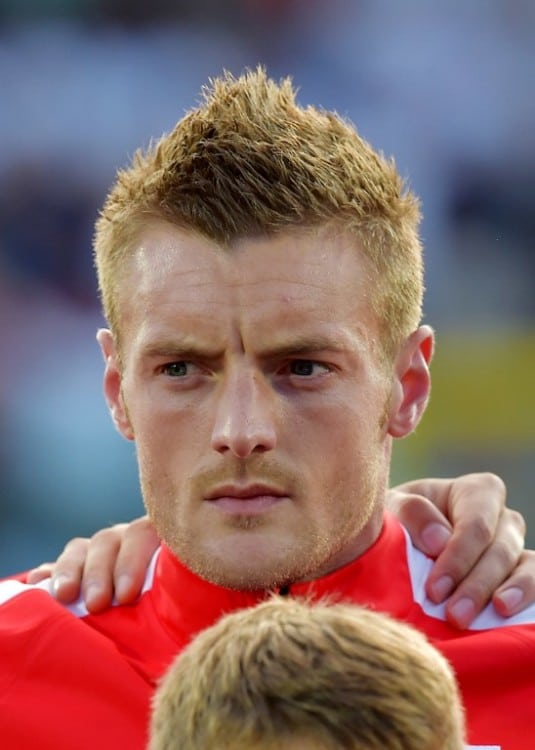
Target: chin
[244,572]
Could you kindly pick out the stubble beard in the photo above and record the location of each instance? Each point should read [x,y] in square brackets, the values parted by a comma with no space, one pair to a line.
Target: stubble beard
[249,563]
[305,554]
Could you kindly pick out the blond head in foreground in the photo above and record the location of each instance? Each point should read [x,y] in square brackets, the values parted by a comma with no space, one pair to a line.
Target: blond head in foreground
[290,674]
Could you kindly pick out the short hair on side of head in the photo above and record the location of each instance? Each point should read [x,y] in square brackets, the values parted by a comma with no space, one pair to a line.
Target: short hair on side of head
[249,161]
[343,675]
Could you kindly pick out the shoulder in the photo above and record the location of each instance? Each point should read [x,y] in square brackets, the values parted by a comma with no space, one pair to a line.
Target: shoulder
[36,630]
[28,611]
[15,595]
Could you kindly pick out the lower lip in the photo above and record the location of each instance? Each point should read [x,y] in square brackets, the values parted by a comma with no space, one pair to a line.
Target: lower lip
[247,506]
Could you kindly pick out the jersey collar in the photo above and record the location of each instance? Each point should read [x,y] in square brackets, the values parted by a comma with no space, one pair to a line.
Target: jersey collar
[187,604]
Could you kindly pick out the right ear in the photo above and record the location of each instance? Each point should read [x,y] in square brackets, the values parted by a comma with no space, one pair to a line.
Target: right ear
[113,384]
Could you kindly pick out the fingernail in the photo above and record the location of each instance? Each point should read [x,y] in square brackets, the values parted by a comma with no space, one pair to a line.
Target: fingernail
[463,612]
[122,586]
[441,588]
[511,598]
[435,537]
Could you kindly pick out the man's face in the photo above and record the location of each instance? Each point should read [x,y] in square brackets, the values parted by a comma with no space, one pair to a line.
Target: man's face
[251,383]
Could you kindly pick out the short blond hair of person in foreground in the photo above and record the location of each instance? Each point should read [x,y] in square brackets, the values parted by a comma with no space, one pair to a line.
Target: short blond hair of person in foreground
[301,676]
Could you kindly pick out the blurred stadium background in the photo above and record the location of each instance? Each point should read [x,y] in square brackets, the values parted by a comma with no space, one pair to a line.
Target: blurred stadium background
[446,87]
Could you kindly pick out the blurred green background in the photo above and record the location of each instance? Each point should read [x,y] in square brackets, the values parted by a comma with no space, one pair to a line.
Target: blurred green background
[481,414]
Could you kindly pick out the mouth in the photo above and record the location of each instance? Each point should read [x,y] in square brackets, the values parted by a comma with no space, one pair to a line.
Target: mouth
[252,499]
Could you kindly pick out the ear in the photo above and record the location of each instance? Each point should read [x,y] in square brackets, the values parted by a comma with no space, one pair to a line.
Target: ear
[412,382]
[113,384]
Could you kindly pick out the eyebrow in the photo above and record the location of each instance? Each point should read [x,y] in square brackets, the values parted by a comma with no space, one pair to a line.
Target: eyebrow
[300,345]
[175,348]
[306,345]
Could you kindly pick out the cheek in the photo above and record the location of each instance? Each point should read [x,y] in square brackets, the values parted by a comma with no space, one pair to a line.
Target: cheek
[153,440]
[163,415]
[357,486]
[167,445]
[338,446]
[151,422]
[353,454]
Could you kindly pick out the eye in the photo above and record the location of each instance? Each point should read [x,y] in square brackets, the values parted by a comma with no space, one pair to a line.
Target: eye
[307,368]
[177,369]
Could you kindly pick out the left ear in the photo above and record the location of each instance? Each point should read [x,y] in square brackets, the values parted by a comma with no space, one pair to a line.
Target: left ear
[113,384]
[412,382]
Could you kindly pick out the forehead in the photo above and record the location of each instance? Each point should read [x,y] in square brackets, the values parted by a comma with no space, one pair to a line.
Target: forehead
[301,278]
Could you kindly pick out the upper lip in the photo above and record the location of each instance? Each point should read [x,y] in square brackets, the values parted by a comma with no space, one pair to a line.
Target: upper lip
[243,491]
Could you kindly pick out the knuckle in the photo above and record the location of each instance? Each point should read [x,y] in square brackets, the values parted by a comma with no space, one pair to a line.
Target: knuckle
[139,524]
[489,483]
[75,546]
[482,531]
[104,536]
[118,528]
[45,567]
[495,483]
[505,556]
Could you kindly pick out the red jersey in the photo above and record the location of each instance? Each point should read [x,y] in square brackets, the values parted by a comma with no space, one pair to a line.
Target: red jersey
[69,679]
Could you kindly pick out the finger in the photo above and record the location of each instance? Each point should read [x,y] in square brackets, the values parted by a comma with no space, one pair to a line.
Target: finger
[478,513]
[465,547]
[99,567]
[434,489]
[478,517]
[478,499]
[40,573]
[137,548]
[68,569]
[476,589]
[428,528]
[518,591]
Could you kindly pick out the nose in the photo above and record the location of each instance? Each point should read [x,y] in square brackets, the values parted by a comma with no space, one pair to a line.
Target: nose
[244,421]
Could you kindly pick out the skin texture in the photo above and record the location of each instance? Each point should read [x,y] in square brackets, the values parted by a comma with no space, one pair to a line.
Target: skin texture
[252,382]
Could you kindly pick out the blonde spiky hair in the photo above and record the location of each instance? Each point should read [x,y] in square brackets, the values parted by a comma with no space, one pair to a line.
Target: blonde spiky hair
[250,161]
